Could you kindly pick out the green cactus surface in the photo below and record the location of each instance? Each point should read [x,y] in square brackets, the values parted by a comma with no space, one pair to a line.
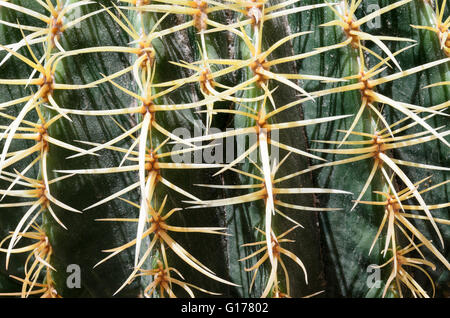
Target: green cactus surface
[229,148]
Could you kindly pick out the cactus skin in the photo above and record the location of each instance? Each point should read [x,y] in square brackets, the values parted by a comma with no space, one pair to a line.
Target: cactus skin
[333,245]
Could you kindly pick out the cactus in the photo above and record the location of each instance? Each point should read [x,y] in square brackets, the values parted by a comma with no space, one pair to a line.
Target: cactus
[239,148]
